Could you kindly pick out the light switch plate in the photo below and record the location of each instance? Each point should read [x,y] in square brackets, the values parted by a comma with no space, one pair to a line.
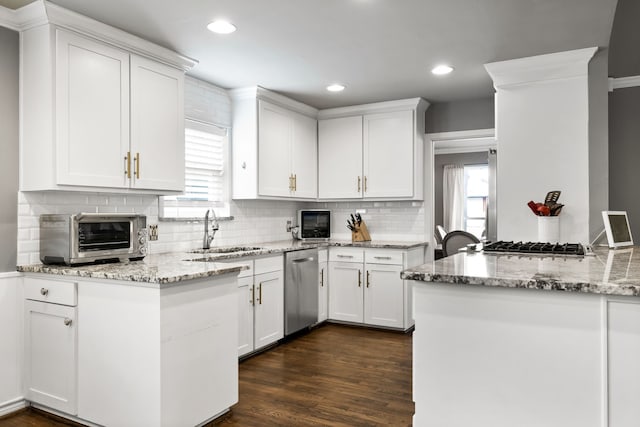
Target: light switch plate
[153,232]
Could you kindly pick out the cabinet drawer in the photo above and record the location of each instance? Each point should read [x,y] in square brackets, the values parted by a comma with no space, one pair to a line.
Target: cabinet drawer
[267,265]
[384,257]
[346,255]
[54,291]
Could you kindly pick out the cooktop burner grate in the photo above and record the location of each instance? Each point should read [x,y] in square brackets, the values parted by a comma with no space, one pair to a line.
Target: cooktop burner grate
[535,248]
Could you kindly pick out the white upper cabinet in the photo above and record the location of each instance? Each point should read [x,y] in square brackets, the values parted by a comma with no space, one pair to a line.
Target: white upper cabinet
[372,151]
[157,125]
[92,111]
[388,153]
[274,146]
[340,158]
[96,116]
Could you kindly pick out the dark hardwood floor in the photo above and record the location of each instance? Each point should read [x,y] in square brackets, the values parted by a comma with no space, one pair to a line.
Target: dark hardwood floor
[333,376]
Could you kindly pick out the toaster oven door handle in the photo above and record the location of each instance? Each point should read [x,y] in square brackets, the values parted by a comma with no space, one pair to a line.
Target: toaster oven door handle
[83,215]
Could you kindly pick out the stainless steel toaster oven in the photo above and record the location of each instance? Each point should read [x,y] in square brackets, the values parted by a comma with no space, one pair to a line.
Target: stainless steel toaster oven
[90,237]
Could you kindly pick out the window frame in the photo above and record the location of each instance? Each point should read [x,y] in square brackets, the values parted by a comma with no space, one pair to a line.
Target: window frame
[223,208]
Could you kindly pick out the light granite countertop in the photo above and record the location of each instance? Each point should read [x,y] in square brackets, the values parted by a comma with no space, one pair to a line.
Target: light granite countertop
[609,272]
[171,268]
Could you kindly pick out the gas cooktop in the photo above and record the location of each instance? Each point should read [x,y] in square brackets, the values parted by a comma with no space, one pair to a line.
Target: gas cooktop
[534,248]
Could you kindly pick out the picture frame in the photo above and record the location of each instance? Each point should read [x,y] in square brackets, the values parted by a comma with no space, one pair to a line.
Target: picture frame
[616,226]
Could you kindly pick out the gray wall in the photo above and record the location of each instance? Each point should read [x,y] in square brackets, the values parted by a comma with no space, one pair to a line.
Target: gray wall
[446,159]
[468,114]
[624,154]
[9,142]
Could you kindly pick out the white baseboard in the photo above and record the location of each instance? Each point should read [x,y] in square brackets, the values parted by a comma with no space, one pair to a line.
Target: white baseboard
[12,406]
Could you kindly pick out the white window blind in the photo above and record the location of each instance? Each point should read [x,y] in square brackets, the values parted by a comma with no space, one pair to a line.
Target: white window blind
[206,174]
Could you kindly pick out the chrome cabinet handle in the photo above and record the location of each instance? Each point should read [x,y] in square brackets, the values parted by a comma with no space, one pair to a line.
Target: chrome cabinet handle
[344,256]
[44,291]
[67,321]
[382,257]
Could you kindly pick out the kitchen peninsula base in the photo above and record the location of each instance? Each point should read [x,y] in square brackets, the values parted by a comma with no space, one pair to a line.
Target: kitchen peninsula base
[503,357]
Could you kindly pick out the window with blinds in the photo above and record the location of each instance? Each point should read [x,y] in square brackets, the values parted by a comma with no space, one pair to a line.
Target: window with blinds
[206,174]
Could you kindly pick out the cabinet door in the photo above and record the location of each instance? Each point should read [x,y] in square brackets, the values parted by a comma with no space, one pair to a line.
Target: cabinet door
[246,298]
[346,293]
[623,332]
[323,294]
[340,158]
[388,154]
[268,309]
[50,363]
[92,112]
[157,125]
[304,154]
[384,295]
[275,128]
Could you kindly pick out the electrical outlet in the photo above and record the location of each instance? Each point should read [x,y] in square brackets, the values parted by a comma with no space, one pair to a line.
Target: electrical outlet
[153,232]
[288,225]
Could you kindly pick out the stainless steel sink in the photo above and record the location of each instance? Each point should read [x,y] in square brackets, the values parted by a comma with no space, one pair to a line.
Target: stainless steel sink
[228,250]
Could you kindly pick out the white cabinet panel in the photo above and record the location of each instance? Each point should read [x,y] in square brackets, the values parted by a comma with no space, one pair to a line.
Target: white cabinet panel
[92,112]
[323,294]
[50,365]
[346,294]
[388,154]
[269,309]
[340,158]
[304,156]
[624,371]
[275,131]
[384,296]
[157,125]
[246,297]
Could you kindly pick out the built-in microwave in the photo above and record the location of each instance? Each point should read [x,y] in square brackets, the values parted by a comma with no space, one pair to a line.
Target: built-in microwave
[90,237]
[314,224]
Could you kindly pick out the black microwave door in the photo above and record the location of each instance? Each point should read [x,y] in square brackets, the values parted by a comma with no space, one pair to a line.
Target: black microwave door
[315,225]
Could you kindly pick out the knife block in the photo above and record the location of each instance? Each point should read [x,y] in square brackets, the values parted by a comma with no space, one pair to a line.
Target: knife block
[361,233]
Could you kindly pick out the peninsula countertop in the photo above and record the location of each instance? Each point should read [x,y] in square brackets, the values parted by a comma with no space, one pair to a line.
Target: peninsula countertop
[609,272]
[171,268]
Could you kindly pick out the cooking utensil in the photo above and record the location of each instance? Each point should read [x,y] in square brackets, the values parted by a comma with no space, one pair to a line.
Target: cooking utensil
[534,207]
[556,209]
[350,227]
[552,197]
[359,218]
[353,219]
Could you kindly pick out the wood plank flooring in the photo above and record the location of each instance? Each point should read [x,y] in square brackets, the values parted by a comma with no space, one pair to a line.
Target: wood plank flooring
[333,376]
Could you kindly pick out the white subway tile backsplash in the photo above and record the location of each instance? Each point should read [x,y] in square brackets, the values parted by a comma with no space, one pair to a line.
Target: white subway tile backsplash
[254,222]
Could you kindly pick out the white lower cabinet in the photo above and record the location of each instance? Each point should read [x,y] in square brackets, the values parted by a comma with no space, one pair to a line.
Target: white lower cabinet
[51,365]
[365,286]
[261,305]
[384,295]
[323,279]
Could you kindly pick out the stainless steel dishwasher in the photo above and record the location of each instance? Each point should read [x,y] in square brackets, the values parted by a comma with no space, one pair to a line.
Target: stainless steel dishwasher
[300,290]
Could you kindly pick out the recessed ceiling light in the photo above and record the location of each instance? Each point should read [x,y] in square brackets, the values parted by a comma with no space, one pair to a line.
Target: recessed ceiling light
[221,26]
[441,70]
[335,87]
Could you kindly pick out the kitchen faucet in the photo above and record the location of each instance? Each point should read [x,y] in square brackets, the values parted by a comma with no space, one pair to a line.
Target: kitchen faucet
[206,241]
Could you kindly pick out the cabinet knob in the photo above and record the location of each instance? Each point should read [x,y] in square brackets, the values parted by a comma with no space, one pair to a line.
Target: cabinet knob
[67,321]
[44,291]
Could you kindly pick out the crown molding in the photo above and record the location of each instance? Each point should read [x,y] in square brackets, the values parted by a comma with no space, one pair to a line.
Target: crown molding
[42,12]
[623,82]
[560,65]
[258,92]
[376,107]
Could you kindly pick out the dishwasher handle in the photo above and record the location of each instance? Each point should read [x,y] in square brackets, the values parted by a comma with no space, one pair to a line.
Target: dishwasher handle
[300,260]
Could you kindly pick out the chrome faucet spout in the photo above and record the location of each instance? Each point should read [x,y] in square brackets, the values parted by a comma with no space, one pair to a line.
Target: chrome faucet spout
[208,238]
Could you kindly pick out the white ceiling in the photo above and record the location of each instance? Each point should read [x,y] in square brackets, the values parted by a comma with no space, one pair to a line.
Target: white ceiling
[379,49]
